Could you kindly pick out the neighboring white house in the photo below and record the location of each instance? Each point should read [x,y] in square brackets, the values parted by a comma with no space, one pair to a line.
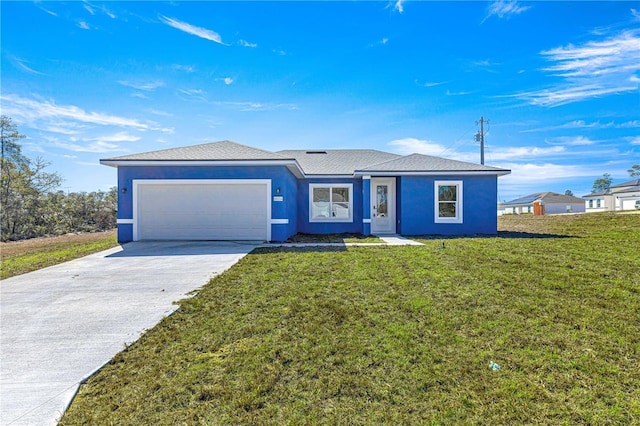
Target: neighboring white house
[543,203]
[623,196]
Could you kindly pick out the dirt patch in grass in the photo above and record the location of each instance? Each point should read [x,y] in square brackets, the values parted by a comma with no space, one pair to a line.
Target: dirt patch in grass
[31,245]
[19,257]
[334,238]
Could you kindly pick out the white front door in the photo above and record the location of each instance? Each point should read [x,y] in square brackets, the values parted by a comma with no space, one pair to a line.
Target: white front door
[383,201]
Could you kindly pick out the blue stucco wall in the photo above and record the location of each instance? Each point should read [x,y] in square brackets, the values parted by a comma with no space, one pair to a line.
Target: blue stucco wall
[306,227]
[415,199]
[366,202]
[280,177]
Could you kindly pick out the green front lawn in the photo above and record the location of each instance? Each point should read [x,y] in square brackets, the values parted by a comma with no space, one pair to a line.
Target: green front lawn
[399,335]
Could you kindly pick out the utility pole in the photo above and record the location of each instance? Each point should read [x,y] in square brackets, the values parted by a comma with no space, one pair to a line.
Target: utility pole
[479,137]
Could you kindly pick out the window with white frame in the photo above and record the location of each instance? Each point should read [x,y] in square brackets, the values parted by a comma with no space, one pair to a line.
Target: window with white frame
[590,204]
[330,203]
[448,201]
[598,202]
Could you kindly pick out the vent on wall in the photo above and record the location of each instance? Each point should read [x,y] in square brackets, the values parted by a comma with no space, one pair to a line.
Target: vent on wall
[316,152]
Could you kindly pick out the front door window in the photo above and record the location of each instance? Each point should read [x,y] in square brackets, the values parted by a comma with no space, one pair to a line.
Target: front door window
[383,207]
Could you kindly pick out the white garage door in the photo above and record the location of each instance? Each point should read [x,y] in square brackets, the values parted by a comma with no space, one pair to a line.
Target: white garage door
[233,210]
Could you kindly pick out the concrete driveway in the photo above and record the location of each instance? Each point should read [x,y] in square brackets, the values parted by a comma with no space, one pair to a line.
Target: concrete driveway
[61,324]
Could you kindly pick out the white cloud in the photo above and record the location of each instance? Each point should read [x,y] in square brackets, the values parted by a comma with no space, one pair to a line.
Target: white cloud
[89,9]
[228,81]
[525,152]
[594,58]
[94,147]
[185,68]
[160,113]
[461,93]
[193,94]
[635,13]
[47,116]
[84,25]
[570,141]
[591,70]
[21,64]
[151,85]
[257,106]
[634,140]
[247,44]
[99,144]
[431,83]
[581,124]
[116,137]
[505,9]
[418,146]
[408,146]
[193,30]
[399,6]
[50,12]
[30,110]
[561,96]
[537,174]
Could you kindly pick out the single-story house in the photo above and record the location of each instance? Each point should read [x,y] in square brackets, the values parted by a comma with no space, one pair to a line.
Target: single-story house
[228,191]
[623,196]
[543,203]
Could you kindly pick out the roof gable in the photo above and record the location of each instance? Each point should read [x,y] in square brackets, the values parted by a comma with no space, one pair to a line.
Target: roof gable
[424,163]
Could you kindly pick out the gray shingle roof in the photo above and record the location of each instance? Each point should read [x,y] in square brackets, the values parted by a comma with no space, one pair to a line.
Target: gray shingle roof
[215,151]
[547,197]
[312,162]
[555,198]
[629,189]
[635,182]
[336,161]
[421,163]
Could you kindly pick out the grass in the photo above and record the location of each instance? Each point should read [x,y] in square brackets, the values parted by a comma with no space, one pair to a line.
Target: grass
[29,255]
[399,335]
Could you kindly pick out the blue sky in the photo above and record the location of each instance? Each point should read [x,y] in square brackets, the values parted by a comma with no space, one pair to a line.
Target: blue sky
[559,82]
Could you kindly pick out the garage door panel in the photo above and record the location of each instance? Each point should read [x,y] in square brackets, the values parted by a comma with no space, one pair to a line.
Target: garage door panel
[203,211]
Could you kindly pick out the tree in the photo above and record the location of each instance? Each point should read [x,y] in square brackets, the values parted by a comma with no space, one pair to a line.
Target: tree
[634,171]
[568,192]
[602,184]
[23,184]
[10,136]
[31,206]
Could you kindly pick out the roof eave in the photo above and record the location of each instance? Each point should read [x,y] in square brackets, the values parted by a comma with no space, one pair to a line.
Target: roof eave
[292,165]
[432,173]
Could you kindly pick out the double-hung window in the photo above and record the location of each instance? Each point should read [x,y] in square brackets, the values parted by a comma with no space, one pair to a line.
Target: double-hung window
[448,201]
[330,203]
